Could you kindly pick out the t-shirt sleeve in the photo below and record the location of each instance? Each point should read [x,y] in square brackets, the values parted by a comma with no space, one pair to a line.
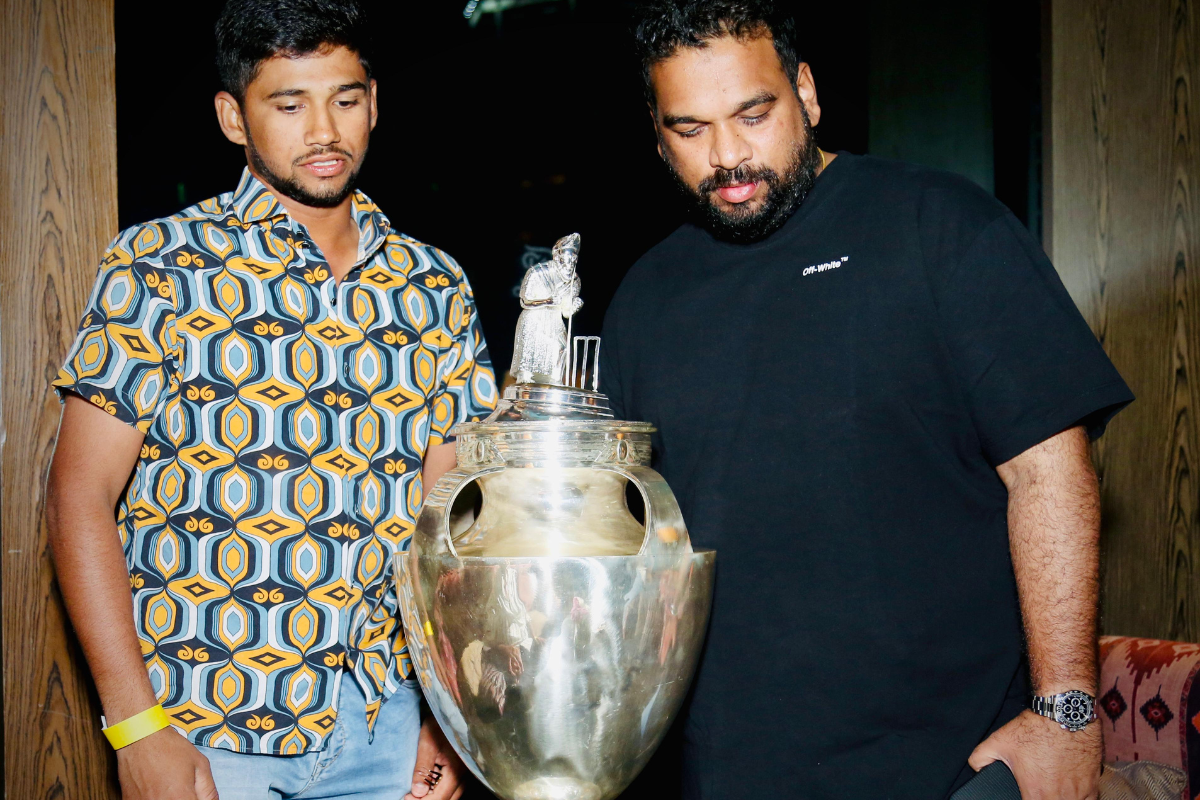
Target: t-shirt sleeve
[1029,365]
[127,346]
[467,387]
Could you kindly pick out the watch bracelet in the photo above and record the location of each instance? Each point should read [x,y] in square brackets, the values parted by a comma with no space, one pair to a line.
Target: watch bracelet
[1048,707]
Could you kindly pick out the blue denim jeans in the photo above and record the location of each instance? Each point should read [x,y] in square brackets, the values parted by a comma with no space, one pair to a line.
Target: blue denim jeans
[347,767]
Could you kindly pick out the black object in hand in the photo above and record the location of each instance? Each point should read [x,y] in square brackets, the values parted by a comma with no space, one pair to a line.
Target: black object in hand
[993,782]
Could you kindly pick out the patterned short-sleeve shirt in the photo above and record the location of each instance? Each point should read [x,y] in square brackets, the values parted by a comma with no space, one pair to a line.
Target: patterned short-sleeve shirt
[286,416]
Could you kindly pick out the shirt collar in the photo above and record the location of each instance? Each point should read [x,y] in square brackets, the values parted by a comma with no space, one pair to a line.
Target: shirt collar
[373,225]
[254,202]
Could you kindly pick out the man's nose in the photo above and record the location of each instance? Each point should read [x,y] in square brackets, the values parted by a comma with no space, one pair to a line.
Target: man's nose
[322,130]
[729,149]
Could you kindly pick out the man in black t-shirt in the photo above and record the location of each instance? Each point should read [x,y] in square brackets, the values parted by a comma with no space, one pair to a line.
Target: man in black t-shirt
[873,397]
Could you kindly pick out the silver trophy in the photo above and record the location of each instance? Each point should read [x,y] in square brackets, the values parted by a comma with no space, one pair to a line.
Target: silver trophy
[555,636]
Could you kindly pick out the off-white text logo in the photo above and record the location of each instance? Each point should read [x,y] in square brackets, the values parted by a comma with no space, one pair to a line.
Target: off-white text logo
[828,265]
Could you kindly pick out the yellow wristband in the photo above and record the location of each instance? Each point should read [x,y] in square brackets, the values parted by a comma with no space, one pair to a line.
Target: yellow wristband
[137,727]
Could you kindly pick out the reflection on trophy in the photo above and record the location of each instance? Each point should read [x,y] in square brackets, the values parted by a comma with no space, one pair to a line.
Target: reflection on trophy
[555,636]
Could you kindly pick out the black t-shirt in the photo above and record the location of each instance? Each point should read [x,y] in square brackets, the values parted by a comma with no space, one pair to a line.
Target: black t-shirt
[831,405]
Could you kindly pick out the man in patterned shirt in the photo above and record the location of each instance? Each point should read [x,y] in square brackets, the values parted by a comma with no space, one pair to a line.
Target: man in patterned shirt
[262,385]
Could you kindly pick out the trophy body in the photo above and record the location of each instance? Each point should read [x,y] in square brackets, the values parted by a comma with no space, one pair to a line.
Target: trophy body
[555,637]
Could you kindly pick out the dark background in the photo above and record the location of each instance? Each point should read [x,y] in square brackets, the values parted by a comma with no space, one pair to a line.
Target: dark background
[530,124]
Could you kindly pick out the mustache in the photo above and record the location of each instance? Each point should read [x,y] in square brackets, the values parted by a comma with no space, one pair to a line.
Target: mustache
[743,173]
[322,151]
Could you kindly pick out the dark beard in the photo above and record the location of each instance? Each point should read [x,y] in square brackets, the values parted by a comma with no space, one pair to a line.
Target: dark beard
[784,194]
[290,188]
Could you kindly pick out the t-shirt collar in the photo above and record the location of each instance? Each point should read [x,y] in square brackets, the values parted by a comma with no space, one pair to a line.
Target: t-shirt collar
[254,202]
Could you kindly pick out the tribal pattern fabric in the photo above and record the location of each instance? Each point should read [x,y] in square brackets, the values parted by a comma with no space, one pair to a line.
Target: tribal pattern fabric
[286,417]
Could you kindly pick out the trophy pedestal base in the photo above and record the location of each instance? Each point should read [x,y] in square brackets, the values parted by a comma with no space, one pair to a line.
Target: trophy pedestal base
[557,789]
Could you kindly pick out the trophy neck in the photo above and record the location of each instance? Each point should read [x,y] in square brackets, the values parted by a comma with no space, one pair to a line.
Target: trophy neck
[552,443]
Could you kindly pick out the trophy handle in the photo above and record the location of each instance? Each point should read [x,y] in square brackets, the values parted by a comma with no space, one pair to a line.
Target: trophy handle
[665,532]
[432,534]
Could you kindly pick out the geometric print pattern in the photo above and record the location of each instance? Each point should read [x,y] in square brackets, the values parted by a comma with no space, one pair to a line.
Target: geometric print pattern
[1149,704]
[286,417]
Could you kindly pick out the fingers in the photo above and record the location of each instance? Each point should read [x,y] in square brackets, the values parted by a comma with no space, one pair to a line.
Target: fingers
[421,788]
[441,781]
[446,784]
[206,787]
[420,783]
[425,781]
[427,750]
[981,756]
[437,773]
[427,756]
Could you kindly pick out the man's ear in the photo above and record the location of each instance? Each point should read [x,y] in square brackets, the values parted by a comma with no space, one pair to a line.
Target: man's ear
[806,89]
[374,105]
[229,117]
[657,132]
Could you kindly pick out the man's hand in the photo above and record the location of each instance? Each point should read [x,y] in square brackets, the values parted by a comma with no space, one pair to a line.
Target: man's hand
[439,459]
[437,763]
[1048,762]
[164,766]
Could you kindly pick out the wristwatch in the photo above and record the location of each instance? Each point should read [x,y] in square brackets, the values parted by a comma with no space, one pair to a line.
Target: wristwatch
[1072,710]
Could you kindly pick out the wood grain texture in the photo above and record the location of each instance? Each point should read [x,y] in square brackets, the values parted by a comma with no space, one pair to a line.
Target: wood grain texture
[58,209]
[1124,167]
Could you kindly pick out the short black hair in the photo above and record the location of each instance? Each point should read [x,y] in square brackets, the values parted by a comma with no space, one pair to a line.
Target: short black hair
[251,31]
[663,26]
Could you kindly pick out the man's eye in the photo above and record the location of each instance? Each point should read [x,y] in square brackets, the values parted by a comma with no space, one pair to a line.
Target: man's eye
[347,103]
[289,109]
[754,120]
[688,134]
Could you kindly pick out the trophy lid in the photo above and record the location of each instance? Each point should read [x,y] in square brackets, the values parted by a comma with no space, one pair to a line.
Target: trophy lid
[532,402]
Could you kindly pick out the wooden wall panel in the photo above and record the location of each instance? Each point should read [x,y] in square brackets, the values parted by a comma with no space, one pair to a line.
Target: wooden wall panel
[58,209]
[1124,231]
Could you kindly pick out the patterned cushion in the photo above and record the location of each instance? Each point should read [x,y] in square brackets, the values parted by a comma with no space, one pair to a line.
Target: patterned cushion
[1141,780]
[1149,704]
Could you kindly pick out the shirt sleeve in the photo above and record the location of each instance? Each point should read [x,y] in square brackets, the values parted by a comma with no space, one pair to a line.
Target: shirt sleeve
[127,347]
[467,389]
[1029,365]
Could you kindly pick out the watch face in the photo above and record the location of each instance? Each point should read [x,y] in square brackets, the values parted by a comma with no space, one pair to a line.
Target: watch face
[1074,710]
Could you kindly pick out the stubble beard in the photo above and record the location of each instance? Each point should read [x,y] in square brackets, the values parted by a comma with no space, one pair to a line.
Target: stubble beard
[785,193]
[291,188]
